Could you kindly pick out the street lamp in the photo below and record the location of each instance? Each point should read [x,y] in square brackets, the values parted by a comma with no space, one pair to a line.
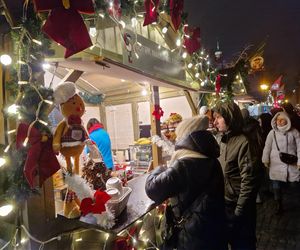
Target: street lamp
[264,87]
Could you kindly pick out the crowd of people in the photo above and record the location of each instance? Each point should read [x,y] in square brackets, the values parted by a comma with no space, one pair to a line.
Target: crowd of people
[216,175]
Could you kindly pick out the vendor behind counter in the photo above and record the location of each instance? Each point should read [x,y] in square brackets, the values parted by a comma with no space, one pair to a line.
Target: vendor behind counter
[100,136]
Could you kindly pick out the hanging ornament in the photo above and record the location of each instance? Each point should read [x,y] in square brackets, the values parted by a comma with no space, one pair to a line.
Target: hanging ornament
[128,45]
[65,25]
[191,39]
[257,63]
[41,159]
[115,9]
[151,11]
[157,112]
[218,85]
[176,10]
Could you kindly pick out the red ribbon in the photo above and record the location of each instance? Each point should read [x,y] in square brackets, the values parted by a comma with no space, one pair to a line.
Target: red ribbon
[40,158]
[191,39]
[176,9]
[65,26]
[96,206]
[157,112]
[151,11]
[218,84]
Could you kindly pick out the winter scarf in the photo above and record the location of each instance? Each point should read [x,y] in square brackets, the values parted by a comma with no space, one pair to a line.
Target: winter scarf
[95,127]
[185,153]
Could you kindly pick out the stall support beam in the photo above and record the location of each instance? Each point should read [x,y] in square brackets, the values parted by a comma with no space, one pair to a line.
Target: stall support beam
[135,120]
[191,102]
[155,127]
[103,115]
[72,76]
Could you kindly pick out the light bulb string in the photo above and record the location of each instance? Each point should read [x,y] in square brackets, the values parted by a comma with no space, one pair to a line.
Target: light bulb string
[37,113]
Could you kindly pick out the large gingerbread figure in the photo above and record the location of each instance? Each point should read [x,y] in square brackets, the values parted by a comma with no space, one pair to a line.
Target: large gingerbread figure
[70,135]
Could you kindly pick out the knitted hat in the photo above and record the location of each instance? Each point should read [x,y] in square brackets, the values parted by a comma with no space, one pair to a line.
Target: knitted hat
[63,92]
[203,110]
[190,125]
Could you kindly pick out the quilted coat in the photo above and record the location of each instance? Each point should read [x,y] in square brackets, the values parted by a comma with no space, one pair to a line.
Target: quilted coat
[288,142]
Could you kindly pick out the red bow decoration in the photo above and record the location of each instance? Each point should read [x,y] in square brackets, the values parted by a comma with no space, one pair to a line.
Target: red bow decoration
[218,84]
[41,159]
[124,242]
[115,10]
[157,112]
[176,9]
[191,39]
[96,206]
[151,13]
[65,25]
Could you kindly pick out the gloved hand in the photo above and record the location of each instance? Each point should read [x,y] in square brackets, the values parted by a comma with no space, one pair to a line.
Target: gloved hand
[267,164]
[298,167]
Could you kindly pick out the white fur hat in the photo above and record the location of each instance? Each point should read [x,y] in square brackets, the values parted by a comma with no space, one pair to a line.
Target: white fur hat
[203,110]
[190,125]
[63,92]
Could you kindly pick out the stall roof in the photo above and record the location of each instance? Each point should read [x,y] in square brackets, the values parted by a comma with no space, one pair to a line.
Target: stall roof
[107,75]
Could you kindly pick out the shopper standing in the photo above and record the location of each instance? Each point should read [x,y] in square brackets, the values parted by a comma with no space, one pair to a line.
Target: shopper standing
[282,138]
[194,184]
[240,174]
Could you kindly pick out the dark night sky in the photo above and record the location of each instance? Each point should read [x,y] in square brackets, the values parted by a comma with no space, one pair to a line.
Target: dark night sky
[237,23]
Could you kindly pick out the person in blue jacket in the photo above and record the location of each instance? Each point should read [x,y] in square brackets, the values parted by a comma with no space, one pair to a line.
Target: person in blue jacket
[99,135]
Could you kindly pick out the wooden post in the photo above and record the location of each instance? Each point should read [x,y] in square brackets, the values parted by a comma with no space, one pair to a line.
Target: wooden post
[135,120]
[191,102]
[155,127]
[103,115]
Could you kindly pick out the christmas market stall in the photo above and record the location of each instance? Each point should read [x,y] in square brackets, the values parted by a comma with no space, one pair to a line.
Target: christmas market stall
[111,60]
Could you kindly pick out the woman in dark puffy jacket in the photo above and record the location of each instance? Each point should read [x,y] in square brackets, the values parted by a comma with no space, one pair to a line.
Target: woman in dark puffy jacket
[194,184]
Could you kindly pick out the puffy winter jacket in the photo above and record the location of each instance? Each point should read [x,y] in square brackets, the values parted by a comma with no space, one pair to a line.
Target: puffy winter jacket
[288,142]
[241,175]
[185,180]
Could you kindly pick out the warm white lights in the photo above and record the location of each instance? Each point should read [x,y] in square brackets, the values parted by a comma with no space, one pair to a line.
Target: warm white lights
[144,92]
[48,102]
[11,131]
[164,30]
[134,22]
[43,122]
[2,162]
[184,55]
[5,60]
[93,31]
[178,42]
[37,42]
[46,66]
[12,109]
[5,210]
[190,65]
[25,141]
[123,24]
